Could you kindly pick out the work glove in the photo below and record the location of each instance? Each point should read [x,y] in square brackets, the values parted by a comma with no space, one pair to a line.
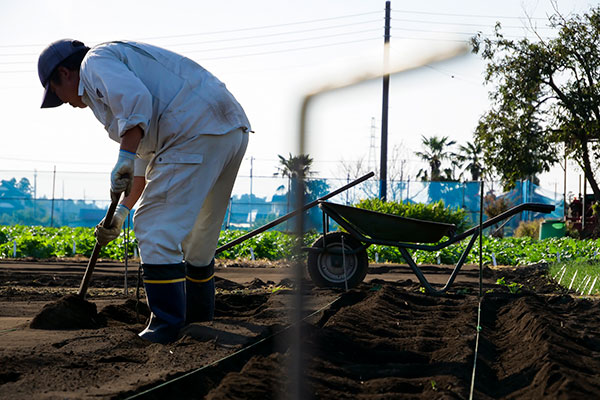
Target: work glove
[121,177]
[106,234]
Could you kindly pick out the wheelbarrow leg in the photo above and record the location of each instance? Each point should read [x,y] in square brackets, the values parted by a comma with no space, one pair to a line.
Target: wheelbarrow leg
[430,289]
[344,265]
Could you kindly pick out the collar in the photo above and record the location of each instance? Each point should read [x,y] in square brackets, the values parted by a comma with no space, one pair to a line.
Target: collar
[80,89]
[81,92]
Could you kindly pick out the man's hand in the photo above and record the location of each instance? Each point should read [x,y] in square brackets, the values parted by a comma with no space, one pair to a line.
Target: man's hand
[121,177]
[107,234]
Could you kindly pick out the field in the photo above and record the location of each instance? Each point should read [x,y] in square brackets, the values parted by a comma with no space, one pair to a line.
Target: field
[383,340]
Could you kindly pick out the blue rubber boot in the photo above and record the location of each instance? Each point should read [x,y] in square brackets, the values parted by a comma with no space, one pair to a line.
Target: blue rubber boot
[165,292]
[200,292]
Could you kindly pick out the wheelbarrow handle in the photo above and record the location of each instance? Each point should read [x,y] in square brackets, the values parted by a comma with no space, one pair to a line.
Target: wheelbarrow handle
[293,213]
[85,282]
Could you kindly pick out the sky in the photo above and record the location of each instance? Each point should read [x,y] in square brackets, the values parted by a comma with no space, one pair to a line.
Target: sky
[270,54]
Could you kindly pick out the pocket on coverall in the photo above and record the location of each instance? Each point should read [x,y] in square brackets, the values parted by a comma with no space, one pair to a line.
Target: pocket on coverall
[171,177]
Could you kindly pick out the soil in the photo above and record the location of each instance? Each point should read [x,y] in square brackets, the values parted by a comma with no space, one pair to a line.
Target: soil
[69,312]
[385,339]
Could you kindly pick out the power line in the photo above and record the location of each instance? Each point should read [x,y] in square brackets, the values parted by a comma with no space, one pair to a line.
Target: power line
[222,31]
[295,41]
[243,55]
[239,39]
[461,23]
[18,71]
[287,50]
[277,34]
[50,171]
[292,32]
[465,15]
[282,41]
[428,39]
[354,24]
[263,27]
[52,162]
[458,33]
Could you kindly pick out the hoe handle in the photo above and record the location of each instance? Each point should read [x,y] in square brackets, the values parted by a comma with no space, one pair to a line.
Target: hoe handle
[85,282]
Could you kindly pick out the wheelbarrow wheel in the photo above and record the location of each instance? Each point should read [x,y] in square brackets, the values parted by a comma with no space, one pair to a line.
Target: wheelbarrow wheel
[337,266]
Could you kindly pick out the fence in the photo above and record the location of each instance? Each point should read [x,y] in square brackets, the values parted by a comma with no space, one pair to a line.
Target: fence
[31,199]
[244,213]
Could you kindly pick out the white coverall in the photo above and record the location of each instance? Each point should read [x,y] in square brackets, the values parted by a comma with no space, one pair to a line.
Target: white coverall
[195,136]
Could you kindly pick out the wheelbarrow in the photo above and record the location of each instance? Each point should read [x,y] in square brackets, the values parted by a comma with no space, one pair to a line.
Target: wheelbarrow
[339,259]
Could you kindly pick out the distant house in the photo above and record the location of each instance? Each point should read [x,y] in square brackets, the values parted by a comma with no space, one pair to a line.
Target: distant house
[279,205]
[6,206]
[10,199]
[91,216]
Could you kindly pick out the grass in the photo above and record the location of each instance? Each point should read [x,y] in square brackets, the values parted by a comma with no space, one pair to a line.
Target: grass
[582,276]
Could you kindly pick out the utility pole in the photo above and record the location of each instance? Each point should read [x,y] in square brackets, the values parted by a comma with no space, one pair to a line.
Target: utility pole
[565,187]
[34,193]
[53,187]
[251,167]
[62,208]
[347,181]
[384,111]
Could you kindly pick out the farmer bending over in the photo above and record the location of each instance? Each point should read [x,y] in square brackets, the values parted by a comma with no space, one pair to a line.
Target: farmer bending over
[182,138]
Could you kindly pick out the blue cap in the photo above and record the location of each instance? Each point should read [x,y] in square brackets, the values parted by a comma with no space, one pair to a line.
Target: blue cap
[49,59]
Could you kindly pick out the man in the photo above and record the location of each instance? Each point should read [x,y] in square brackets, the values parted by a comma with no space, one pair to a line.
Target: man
[182,138]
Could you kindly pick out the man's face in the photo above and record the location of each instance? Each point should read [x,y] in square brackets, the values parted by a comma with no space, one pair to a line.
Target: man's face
[68,87]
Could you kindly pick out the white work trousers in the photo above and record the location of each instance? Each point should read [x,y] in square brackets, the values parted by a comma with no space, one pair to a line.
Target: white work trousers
[187,192]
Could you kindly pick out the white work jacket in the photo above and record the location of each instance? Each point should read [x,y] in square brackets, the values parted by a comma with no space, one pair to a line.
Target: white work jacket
[172,98]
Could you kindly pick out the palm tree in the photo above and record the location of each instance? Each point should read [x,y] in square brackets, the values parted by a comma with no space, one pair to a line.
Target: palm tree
[295,166]
[435,152]
[470,159]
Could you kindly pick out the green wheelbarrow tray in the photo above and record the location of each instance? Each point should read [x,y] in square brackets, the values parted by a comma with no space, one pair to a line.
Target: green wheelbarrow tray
[388,227]
[367,227]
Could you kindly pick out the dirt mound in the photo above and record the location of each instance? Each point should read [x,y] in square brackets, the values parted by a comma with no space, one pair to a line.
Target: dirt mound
[225,284]
[540,347]
[251,382]
[257,284]
[533,278]
[69,312]
[130,312]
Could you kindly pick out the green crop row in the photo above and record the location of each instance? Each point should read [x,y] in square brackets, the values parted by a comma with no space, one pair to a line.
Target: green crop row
[45,242]
[506,251]
[20,241]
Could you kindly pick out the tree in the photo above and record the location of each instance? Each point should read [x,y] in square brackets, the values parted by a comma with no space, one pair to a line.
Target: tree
[15,190]
[494,206]
[435,152]
[396,175]
[469,158]
[546,96]
[295,166]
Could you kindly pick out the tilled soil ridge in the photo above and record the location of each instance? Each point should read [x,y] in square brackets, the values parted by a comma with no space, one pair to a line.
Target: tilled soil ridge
[396,344]
[539,347]
[382,340]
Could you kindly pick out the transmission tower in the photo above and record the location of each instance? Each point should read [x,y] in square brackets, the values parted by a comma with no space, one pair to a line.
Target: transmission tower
[373,148]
